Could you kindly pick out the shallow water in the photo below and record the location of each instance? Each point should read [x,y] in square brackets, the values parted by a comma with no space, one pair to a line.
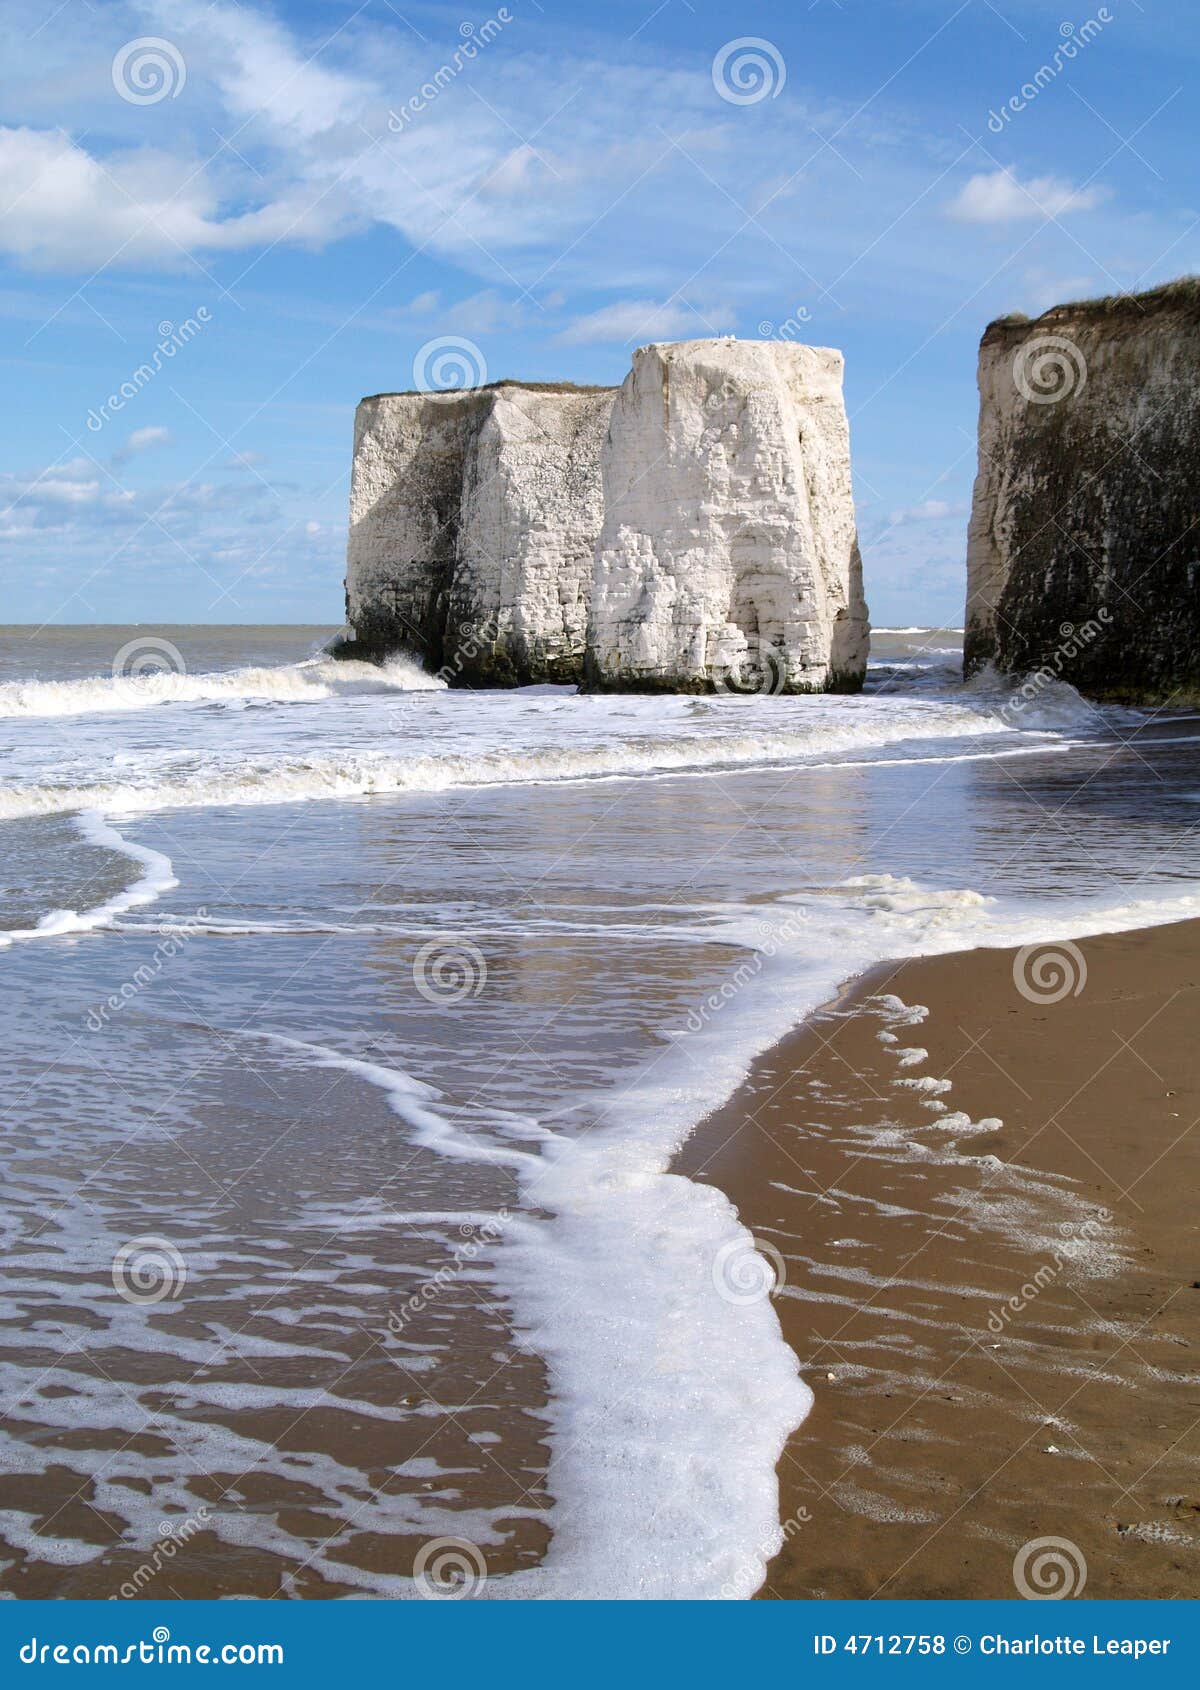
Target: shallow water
[370,1014]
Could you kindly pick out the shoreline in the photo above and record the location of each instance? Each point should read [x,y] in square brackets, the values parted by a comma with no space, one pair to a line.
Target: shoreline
[978,1205]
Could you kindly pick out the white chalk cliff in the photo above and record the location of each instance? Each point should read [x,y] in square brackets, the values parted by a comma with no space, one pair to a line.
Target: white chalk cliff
[728,555]
[697,534]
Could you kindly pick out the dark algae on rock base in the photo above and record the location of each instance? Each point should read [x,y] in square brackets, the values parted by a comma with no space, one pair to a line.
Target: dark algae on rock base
[1083,555]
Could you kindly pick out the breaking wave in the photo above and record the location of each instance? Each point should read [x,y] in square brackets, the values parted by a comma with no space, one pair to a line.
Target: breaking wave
[296,683]
[275,779]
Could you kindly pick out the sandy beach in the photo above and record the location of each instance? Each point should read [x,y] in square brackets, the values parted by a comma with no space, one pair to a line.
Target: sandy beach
[976,1175]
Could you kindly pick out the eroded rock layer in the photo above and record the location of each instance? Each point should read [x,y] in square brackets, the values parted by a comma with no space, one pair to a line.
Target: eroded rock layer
[473,518]
[1083,555]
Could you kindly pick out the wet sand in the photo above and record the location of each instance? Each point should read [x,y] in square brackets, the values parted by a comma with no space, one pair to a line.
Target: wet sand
[399,1396]
[1000,1315]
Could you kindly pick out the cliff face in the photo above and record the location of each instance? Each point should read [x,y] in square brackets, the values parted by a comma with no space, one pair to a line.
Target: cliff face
[473,518]
[1083,551]
[698,535]
[405,492]
[728,555]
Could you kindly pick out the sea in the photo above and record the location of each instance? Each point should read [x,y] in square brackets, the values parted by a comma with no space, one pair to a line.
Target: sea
[351,1025]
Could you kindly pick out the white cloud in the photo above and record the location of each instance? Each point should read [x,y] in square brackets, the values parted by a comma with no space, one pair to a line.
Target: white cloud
[999,196]
[67,210]
[916,574]
[514,175]
[260,71]
[312,157]
[58,497]
[644,320]
[80,497]
[141,440]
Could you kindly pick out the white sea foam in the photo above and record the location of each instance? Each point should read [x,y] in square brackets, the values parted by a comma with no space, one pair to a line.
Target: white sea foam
[411,1099]
[317,780]
[296,683]
[215,778]
[671,1403]
[159,877]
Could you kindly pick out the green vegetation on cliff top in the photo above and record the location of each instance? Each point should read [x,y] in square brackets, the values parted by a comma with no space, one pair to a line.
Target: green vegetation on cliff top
[1183,293]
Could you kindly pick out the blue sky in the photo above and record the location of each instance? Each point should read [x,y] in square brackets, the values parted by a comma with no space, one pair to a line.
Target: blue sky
[266,190]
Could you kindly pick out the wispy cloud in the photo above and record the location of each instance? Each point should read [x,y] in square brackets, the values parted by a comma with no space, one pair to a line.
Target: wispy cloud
[929,510]
[141,440]
[645,320]
[999,196]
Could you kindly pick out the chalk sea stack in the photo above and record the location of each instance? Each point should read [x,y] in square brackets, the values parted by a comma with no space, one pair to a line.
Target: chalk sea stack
[1083,554]
[729,550]
[690,532]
